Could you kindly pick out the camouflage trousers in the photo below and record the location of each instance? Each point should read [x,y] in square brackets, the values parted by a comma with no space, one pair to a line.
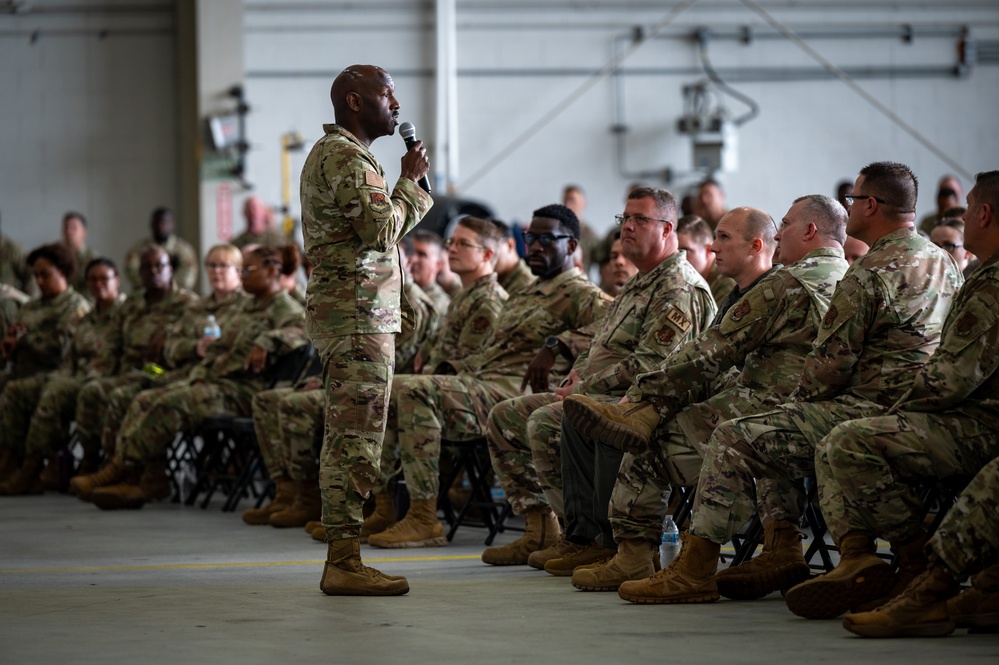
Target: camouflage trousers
[436,407]
[866,469]
[677,455]
[54,414]
[156,416]
[766,456]
[92,405]
[968,539]
[289,427]
[357,374]
[525,446]
[18,402]
[387,467]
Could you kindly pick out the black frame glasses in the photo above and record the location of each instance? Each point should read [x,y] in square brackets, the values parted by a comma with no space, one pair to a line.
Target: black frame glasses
[640,220]
[546,239]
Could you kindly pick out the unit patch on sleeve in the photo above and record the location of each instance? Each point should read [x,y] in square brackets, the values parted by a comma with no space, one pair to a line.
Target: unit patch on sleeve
[380,202]
[738,313]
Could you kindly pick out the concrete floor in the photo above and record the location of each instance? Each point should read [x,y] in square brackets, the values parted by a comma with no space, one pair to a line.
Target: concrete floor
[169,584]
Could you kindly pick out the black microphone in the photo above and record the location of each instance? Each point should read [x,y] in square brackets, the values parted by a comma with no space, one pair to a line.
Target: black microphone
[408,133]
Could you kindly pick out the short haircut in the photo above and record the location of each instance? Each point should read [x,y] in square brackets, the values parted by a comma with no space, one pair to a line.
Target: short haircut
[233,254]
[71,214]
[710,181]
[760,224]
[568,189]
[503,227]
[566,217]
[987,189]
[827,214]
[288,258]
[407,245]
[696,229]
[601,254]
[665,201]
[892,182]
[58,255]
[100,261]
[161,212]
[429,238]
[955,223]
[489,234]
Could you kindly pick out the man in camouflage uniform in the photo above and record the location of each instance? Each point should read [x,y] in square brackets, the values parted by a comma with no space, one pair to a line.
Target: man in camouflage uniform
[13,270]
[37,342]
[883,322]
[512,273]
[74,237]
[40,418]
[137,339]
[455,407]
[658,310]
[470,320]
[946,424]
[425,264]
[351,224]
[966,543]
[422,314]
[259,226]
[182,254]
[695,238]
[765,337]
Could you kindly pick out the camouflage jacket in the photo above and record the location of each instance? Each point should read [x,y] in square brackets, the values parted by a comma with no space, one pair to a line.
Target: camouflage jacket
[883,323]
[138,322]
[180,348]
[351,225]
[519,278]
[87,357]
[274,323]
[720,285]
[654,315]
[439,297]
[49,328]
[469,323]
[420,320]
[568,301]
[182,254]
[13,270]
[11,300]
[766,335]
[83,258]
[962,374]
[267,238]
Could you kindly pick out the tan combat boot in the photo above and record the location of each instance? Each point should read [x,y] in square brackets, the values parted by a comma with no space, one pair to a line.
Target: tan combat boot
[306,506]
[419,528]
[634,561]
[383,517]
[977,606]
[284,494]
[561,548]
[911,563]
[689,578]
[136,489]
[627,427]
[25,480]
[83,486]
[49,476]
[587,555]
[780,566]
[345,575]
[318,533]
[541,530]
[859,577]
[919,611]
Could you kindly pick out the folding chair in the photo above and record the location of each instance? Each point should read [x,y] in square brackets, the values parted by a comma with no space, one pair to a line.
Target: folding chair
[472,458]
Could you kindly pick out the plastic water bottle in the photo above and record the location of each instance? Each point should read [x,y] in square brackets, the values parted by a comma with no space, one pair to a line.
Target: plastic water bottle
[212,328]
[496,493]
[187,481]
[671,542]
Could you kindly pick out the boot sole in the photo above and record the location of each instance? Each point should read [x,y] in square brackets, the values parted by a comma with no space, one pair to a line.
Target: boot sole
[985,620]
[596,587]
[820,599]
[114,503]
[363,592]
[673,600]
[939,629]
[429,542]
[753,586]
[506,562]
[585,419]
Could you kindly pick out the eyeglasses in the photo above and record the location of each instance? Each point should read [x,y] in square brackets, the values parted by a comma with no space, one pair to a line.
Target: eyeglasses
[639,220]
[546,239]
[245,272]
[462,243]
[949,246]
[850,198]
[218,266]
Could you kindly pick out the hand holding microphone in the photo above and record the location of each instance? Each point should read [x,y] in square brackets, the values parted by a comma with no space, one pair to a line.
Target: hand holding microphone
[415,164]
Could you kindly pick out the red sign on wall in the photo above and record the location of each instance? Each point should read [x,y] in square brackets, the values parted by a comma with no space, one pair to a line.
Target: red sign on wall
[223,211]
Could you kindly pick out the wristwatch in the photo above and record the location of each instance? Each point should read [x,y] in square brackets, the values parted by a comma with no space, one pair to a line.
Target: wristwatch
[553,345]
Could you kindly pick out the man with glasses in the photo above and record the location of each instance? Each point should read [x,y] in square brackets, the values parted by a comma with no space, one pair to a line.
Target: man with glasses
[883,322]
[948,235]
[765,336]
[666,304]
[454,403]
[468,325]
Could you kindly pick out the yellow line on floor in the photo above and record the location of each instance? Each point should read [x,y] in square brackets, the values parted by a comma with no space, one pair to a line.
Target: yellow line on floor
[257,564]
